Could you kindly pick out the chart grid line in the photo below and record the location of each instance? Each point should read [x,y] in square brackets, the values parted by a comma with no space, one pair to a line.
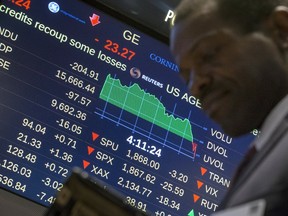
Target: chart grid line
[129,98]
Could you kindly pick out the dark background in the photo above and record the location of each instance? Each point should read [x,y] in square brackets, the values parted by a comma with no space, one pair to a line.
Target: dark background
[150,13]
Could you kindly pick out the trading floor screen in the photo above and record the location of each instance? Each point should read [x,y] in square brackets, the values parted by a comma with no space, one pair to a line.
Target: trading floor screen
[80,87]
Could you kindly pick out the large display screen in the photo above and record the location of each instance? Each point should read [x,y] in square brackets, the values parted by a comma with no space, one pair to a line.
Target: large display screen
[80,87]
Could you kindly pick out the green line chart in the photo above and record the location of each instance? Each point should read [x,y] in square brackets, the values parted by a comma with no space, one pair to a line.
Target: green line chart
[135,100]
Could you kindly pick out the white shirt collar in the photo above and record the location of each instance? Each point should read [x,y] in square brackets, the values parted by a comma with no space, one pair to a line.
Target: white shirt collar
[271,122]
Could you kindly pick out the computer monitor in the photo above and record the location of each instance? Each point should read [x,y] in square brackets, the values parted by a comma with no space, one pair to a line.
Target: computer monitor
[83,86]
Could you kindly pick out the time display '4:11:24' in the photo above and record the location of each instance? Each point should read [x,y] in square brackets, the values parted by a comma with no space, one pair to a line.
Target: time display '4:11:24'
[138,143]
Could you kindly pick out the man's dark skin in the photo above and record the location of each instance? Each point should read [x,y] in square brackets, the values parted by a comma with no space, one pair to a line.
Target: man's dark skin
[240,73]
[239,77]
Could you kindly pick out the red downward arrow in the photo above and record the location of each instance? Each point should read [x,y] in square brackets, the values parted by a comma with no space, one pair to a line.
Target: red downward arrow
[196,197]
[199,184]
[85,164]
[203,171]
[94,136]
[90,150]
[95,19]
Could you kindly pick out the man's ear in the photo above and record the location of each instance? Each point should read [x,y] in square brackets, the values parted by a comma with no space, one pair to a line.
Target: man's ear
[279,21]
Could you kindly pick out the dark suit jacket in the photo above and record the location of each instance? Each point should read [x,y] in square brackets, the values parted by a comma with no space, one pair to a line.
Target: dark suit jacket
[266,176]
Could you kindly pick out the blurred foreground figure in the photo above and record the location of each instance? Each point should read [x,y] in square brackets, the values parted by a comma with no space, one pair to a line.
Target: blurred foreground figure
[233,55]
[82,195]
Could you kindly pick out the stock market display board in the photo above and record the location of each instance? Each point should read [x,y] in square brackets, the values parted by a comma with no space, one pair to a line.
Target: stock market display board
[82,88]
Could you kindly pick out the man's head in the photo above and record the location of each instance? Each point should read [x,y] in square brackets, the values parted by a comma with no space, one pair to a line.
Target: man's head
[234,52]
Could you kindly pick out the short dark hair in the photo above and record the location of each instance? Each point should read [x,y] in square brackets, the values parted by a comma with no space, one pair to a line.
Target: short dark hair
[187,7]
[248,14]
